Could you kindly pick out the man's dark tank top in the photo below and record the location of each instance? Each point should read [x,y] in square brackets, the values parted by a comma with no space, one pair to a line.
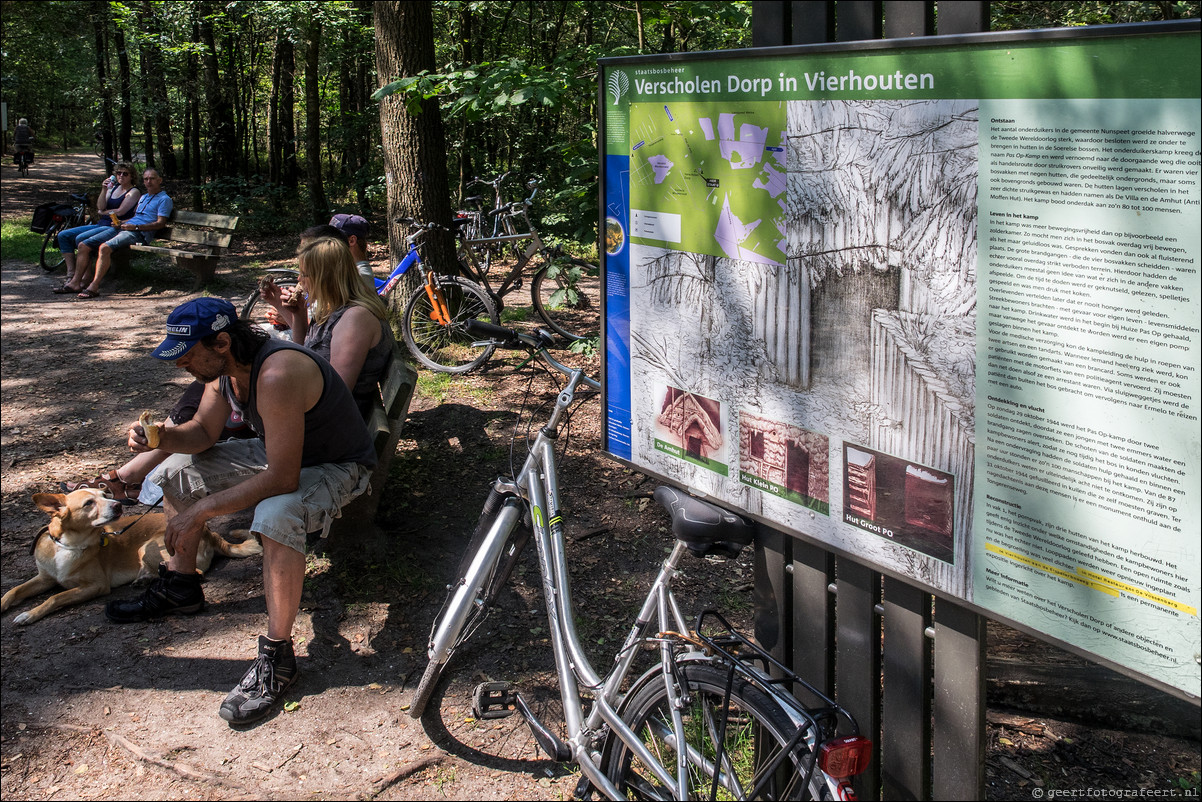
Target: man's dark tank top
[334,429]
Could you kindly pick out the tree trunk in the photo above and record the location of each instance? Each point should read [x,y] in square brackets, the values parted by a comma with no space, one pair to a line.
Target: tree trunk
[158,106]
[193,123]
[318,206]
[363,123]
[414,144]
[127,115]
[100,31]
[287,112]
[275,147]
[466,168]
[223,143]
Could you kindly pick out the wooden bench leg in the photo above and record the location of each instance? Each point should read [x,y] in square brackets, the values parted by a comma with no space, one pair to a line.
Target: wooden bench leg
[119,260]
[204,269]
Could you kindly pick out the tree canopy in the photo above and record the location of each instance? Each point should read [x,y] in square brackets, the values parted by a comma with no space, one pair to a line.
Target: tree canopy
[271,108]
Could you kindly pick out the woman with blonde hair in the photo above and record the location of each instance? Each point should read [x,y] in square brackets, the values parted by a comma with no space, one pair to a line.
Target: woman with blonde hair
[346,322]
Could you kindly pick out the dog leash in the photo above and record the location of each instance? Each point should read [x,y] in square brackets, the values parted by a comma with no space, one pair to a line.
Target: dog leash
[104,539]
[134,522]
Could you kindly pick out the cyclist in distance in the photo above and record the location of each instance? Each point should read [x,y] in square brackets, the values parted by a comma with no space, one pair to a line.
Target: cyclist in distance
[22,141]
[23,137]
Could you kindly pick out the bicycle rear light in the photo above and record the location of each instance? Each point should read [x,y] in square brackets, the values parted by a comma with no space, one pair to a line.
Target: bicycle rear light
[845,757]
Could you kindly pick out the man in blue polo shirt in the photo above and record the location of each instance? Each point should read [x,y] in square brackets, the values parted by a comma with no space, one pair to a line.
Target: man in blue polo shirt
[153,212]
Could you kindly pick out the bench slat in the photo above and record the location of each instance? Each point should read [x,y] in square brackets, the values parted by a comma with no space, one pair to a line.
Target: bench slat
[213,239]
[190,218]
[178,254]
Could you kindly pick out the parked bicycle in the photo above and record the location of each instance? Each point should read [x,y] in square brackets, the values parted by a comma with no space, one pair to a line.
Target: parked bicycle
[63,216]
[714,717]
[432,324]
[564,291]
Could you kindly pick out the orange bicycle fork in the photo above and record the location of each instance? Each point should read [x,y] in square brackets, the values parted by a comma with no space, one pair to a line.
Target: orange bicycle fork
[439,312]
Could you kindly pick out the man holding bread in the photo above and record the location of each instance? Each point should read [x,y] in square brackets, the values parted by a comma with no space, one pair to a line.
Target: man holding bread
[312,455]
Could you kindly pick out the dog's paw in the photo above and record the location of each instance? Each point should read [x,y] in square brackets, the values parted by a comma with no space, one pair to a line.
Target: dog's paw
[21,619]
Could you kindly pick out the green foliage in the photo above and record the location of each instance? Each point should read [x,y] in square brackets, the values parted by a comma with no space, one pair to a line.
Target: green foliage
[18,242]
[265,208]
[48,77]
[1025,14]
[516,84]
[588,346]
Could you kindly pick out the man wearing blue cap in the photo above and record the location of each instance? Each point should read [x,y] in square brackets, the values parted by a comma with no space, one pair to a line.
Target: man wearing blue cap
[312,456]
[356,229]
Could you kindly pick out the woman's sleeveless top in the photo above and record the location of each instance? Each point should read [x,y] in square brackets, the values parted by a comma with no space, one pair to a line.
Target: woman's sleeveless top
[319,339]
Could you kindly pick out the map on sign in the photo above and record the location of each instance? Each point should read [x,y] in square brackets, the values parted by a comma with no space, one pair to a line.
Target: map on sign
[709,178]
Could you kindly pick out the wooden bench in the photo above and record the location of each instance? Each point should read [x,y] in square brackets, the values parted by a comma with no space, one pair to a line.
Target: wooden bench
[194,240]
[357,523]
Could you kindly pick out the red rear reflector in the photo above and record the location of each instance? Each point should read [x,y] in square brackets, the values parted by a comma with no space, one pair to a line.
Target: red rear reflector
[845,757]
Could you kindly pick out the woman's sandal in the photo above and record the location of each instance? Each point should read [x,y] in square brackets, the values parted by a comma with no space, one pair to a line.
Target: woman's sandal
[126,493]
[86,294]
[64,290]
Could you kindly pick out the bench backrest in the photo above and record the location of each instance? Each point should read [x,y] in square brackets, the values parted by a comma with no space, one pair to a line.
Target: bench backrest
[396,389]
[220,238]
[385,424]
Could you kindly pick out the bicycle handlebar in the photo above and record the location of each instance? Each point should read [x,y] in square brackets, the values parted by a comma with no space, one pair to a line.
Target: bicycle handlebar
[516,340]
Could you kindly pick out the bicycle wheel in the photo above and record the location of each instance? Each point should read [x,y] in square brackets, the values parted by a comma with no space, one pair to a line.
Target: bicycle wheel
[567,295]
[449,348]
[751,732]
[255,310]
[493,581]
[52,259]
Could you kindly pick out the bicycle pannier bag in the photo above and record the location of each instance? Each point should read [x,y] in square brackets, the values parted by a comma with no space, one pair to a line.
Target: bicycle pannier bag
[43,216]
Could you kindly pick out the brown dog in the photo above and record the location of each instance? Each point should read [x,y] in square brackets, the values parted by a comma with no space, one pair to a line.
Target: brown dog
[90,549]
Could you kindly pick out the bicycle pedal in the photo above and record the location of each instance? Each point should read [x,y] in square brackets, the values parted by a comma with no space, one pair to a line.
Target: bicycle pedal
[494,700]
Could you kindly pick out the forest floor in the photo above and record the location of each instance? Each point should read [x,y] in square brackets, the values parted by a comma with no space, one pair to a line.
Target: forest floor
[91,710]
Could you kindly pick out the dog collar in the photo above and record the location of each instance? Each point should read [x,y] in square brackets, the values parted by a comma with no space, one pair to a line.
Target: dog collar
[104,541]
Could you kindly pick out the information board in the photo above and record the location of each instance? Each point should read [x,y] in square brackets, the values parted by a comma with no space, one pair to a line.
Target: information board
[934,304]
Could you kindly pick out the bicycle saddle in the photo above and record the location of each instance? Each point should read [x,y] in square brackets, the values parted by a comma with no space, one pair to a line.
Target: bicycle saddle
[703,527]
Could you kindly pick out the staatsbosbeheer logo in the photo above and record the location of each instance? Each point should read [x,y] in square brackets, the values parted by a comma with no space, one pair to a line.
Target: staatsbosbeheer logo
[617,85]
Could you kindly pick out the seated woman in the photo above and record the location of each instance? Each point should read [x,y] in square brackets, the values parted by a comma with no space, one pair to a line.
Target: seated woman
[120,199]
[152,214]
[349,325]
[349,328]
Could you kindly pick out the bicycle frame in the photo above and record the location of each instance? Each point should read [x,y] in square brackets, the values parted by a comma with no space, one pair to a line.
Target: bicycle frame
[504,231]
[537,485]
[386,285]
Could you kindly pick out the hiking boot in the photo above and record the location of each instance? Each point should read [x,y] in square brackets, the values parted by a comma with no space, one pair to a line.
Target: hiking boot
[172,592]
[272,672]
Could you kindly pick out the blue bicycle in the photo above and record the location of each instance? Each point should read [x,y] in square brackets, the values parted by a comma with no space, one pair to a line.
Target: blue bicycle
[433,324]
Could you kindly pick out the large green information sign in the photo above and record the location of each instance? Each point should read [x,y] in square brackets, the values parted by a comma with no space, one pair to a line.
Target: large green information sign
[935,305]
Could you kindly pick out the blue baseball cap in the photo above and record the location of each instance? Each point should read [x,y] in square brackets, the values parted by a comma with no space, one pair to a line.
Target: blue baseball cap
[351,224]
[191,322]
